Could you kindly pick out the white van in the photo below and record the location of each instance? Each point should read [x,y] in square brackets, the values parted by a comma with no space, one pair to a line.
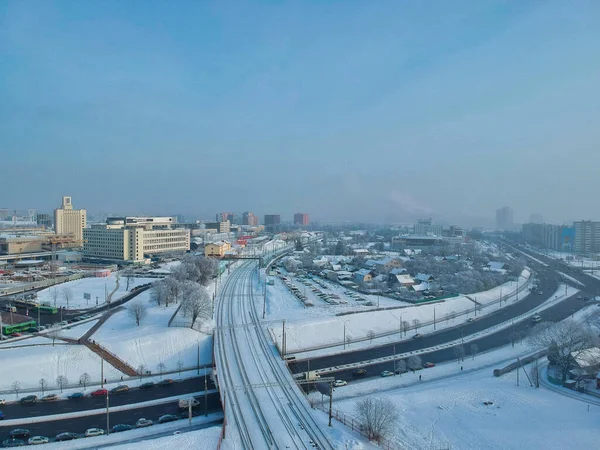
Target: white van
[536,318]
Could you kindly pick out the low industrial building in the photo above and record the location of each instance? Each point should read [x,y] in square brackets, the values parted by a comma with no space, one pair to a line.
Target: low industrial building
[134,239]
[217,249]
[13,244]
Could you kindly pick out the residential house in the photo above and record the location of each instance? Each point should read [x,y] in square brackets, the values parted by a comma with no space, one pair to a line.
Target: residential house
[363,276]
[386,264]
[404,280]
[497,266]
[217,249]
[422,287]
[424,277]
[585,363]
[398,271]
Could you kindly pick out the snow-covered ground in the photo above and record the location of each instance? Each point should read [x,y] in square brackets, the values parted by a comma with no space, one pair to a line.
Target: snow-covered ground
[76,331]
[322,328]
[451,410]
[205,439]
[153,342]
[29,364]
[99,289]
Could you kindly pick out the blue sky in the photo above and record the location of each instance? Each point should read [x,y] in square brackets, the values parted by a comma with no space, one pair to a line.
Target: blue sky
[377,111]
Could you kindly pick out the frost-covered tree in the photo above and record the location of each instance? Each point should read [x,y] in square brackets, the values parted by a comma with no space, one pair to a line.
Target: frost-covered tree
[196,302]
[138,310]
[414,362]
[378,417]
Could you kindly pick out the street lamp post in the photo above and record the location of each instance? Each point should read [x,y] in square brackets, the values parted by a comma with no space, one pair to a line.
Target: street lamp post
[107,415]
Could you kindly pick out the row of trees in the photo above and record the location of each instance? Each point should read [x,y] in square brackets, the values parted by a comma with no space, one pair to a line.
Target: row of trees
[61,382]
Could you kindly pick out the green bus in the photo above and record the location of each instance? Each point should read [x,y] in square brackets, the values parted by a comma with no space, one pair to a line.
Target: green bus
[46,309]
[7,330]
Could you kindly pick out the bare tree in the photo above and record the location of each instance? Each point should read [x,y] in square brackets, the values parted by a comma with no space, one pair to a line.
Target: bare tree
[416,324]
[348,339]
[61,382]
[85,379]
[400,367]
[371,335]
[43,385]
[414,362]
[196,302]
[405,327]
[378,417]
[534,373]
[565,341]
[161,368]
[141,370]
[179,366]
[138,310]
[513,337]
[54,294]
[16,386]
[67,294]
[474,350]
[159,293]
[459,352]
[53,333]
[129,275]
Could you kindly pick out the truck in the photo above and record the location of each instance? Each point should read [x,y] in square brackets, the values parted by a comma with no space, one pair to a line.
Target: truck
[184,403]
[10,308]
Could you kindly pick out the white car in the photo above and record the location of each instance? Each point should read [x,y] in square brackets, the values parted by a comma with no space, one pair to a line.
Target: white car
[36,440]
[339,383]
[2,401]
[142,423]
[387,373]
[94,432]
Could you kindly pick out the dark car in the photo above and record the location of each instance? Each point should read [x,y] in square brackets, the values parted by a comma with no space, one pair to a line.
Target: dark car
[1,415]
[166,382]
[99,393]
[148,385]
[29,400]
[13,443]
[167,418]
[359,372]
[121,427]
[120,388]
[19,433]
[76,395]
[67,436]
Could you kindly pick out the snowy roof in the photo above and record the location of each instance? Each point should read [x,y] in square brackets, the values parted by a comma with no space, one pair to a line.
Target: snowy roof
[398,271]
[405,279]
[363,272]
[423,277]
[496,265]
[587,357]
[363,251]
[336,267]
[380,278]
[370,262]
[384,261]
[421,287]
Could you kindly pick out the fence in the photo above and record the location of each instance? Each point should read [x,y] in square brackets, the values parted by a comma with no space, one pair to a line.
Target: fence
[42,284]
[405,330]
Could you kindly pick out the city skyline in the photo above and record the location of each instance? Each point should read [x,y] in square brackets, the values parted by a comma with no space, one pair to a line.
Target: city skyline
[410,116]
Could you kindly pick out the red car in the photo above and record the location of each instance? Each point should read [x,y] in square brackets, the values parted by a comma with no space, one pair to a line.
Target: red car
[16,335]
[428,365]
[99,393]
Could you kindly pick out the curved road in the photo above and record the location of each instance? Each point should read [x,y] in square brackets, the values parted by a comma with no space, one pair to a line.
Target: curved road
[549,280]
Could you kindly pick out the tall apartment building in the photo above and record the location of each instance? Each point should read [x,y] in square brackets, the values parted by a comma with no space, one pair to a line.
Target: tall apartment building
[134,238]
[587,236]
[425,227]
[504,218]
[68,220]
[44,220]
[249,219]
[225,216]
[221,227]
[545,235]
[301,219]
[272,222]
[4,213]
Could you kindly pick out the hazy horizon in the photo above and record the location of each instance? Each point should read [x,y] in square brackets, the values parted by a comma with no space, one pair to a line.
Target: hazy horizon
[366,111]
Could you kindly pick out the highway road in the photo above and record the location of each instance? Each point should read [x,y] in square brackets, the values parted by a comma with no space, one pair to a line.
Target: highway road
[80,424]
[549,280]
[134,395]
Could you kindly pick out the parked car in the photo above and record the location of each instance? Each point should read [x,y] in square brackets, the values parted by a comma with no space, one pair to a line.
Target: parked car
[16,335]
[167,418]
[49,398]
[99,393]
[1,415]
[76,395]
[166,382]
[19,433]
[340,383]
[121,427]
[120,388]
[13,443]
[2,401]
[536,318]
[470,319]
[91,432]
[427,365]
[417,336]
[29,400]
[359,372]
[147,385]
[36,440]
[66,436]
[143,423]
[387,373]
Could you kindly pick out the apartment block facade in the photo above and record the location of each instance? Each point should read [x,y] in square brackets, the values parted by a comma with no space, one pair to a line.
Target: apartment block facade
[301,219]
[587,236]
[134,238]
[68,220]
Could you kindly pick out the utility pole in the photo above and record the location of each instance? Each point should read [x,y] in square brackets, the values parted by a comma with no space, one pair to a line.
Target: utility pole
[205,395]
[434,317]
[107,416]
[344,335]
[283,349]
[330,400]
[265,297]
[394,360]
[101,369]
[198,364]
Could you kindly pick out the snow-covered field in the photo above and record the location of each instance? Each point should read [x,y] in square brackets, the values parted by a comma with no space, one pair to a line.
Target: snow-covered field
[451,410]
[29,364]
[76,331]
[98,288]
[324,328]
[153,342]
